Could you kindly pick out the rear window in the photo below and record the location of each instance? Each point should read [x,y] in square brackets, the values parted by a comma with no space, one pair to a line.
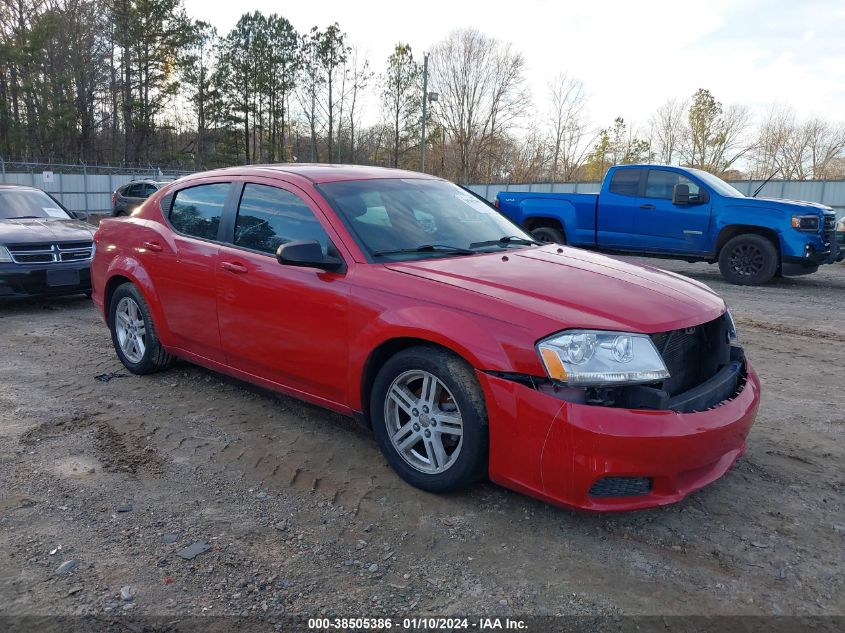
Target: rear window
[626,182]
[26,203]
[661,183]
[196,211]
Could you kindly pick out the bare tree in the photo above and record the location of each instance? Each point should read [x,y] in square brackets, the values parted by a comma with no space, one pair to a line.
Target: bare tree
[567,102]
[310,86]
[481,86]
[358,77]
[668,128]
[826,144]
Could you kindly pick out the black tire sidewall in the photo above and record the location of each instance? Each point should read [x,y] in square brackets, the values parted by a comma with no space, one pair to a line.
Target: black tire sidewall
[770,260]
[147,363]
[460,379]
[555,234]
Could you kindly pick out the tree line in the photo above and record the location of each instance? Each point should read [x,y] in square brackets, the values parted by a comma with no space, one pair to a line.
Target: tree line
[138,82]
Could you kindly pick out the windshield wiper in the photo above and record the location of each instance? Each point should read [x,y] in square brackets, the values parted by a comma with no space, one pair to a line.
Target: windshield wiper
[502,241]
[427,248]
[26,217]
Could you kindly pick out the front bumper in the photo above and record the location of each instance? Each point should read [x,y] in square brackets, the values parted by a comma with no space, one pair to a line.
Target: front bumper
[816,251]
[558,451]
[20,281]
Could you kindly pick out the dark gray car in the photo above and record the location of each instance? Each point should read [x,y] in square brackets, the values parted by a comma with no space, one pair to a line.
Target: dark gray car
[44,248]
[128,197]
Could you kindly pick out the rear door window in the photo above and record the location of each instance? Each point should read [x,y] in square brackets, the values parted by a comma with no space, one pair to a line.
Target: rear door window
[196,211]
[626,182]
[147,190]
[269,217]
[661,182]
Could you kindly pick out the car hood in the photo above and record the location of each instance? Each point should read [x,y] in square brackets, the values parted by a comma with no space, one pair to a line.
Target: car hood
[568,287]
[28,231]
[779,204]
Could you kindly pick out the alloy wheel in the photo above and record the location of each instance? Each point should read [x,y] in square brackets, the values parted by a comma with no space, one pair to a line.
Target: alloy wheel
[423,421]
[746,260]
[131,330]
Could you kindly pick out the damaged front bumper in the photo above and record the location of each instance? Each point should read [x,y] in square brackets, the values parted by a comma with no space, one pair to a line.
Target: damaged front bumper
[611,458]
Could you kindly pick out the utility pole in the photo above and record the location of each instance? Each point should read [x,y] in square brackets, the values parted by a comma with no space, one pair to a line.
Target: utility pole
[425,102]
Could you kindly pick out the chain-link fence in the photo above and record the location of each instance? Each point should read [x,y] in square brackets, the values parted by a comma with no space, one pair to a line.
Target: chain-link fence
[87,187]
[80,186]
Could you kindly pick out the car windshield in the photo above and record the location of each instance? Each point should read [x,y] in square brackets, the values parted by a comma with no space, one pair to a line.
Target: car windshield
[717,184]
[16,204]
[402,219]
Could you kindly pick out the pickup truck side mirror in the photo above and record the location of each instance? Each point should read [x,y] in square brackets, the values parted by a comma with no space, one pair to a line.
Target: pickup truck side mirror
[308,254]
[680,194]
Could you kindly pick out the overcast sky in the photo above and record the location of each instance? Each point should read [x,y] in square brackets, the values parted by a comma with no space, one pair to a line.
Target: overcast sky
[631,56]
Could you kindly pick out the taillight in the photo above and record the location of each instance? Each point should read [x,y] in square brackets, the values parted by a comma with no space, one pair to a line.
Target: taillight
[114,198]
[496,203]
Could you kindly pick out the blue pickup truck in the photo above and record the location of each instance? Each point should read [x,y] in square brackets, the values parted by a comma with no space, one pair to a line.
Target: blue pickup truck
[681,213]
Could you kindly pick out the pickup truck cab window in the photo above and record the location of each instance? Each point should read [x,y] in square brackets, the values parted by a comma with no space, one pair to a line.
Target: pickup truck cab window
[269,217]
[661,182]
[626,182]
[196,211]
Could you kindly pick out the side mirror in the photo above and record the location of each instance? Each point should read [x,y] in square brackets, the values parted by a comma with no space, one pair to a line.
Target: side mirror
[308,254]
[79,215]
[680,194]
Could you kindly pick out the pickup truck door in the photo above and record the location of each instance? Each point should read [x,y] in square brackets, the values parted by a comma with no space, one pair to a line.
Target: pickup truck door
[661,226]
[616,209]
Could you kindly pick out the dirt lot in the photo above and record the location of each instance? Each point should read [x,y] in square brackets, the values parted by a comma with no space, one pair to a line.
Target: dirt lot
[302,515]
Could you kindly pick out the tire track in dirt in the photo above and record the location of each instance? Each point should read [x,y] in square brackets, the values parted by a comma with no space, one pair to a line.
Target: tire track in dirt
[193,418]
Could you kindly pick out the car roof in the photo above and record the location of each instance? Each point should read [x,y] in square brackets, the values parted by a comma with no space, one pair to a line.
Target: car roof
[316,172]
[13,186]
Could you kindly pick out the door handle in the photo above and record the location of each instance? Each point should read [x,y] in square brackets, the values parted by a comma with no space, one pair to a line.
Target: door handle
[646,206]
[234,267]
[155,247]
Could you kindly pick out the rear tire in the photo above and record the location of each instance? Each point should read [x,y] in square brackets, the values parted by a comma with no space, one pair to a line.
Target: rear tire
[748,260]
[430,420]
[133,333]
[548,235]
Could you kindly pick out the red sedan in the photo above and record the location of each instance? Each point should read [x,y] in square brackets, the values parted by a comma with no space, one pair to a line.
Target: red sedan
[411,304]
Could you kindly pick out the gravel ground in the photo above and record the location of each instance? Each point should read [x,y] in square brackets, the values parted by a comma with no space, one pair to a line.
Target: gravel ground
[106,485]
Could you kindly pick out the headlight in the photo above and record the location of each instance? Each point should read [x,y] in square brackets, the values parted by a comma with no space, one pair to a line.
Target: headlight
[805,222]
[5,255]
[586,358]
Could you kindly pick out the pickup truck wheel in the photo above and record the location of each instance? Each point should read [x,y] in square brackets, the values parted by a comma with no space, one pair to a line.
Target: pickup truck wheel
[133,334]
[748,260]
[429,419]
[548,235]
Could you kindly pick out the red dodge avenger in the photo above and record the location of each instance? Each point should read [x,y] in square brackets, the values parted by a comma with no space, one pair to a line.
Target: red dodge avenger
[412,305]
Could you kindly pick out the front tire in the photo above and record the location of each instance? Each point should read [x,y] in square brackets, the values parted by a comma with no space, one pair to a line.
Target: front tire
[748,260]
[430,420]
[133,333]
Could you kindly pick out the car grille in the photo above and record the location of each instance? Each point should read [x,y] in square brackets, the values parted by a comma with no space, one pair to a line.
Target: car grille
[621,487]
[828,228]
[51,253]
[693,355]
